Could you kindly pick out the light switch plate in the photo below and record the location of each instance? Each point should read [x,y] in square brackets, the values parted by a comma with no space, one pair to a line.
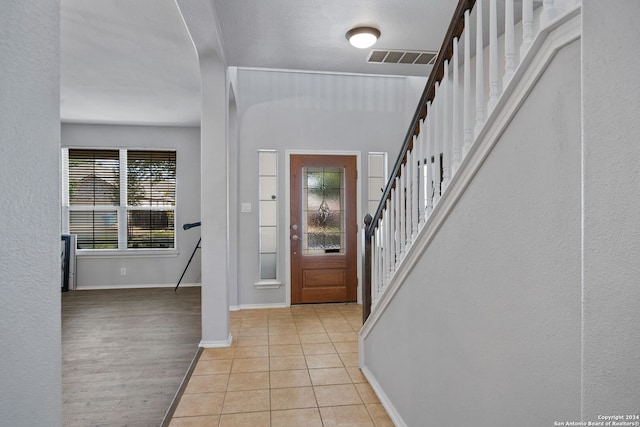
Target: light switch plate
[245,207]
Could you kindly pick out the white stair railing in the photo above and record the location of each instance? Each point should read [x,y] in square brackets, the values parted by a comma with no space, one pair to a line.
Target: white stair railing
[450,116]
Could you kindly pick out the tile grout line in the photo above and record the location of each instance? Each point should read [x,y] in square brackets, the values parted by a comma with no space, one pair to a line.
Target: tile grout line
[295,322]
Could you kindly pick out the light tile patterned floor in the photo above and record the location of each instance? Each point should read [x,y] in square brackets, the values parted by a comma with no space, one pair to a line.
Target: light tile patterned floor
[287,367]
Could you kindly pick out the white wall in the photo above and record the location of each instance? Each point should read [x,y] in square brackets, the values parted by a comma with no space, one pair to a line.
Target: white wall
[309,111]
[103,271]
[202,23]
[414,86]
[233,207]
[611,278]
[30,372]
[486,330]
[214,197]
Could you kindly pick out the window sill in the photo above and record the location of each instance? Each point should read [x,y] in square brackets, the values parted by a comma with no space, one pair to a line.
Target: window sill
[268,284]
[140,253]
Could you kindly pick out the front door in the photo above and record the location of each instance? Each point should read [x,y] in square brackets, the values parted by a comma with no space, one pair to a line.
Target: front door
[323,229]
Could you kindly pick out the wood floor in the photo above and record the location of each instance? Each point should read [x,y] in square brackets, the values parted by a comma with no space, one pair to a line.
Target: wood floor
[125,353]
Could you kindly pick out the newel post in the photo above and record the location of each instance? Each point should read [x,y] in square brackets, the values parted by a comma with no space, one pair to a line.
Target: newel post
[366,274]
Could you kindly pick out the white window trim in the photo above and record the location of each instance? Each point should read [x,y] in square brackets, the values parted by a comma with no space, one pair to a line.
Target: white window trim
[269,283]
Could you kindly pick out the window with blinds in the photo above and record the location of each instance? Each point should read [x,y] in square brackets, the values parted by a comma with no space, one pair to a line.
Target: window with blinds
[108,209]
[151,188]
[94,192]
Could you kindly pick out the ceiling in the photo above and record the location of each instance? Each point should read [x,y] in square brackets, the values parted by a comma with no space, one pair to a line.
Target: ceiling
[310,34]
[134,62]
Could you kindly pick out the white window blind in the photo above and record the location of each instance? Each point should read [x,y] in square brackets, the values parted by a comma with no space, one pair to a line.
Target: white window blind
[94,194]
[134,209]
[151,198]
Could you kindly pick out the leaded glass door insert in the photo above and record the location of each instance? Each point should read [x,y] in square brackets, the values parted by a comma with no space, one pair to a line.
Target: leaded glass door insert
[323,228]
[323,211]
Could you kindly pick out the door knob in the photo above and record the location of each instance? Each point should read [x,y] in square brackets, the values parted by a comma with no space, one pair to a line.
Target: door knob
[295,237]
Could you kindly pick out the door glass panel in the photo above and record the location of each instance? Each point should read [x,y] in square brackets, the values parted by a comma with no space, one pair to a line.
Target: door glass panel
[323,204]
[268,267]
[268,187]
[377,179]
[268,213]
[268,240]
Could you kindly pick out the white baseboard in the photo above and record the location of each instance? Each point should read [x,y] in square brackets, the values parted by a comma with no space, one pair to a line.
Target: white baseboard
[257,306]
[136,286]
[388,406]
[216,344]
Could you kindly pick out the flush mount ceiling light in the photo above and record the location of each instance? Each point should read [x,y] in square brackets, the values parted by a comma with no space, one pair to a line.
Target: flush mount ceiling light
[363,37]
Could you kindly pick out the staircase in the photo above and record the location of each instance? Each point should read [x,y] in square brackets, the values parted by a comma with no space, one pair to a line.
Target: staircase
[453,114]
[500,62]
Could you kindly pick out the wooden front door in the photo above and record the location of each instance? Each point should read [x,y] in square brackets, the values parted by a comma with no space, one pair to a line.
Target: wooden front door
[323,229]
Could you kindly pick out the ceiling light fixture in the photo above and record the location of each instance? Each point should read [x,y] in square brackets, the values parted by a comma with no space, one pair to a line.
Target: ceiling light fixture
[363,37]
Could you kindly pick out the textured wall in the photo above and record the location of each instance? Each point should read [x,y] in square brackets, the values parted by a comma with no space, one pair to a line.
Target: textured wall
[310,111]
[202,22]
[214,204]
[611,278]
[30,373]
[486,330]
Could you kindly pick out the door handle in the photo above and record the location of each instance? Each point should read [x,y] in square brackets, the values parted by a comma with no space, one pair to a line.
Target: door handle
[295,237]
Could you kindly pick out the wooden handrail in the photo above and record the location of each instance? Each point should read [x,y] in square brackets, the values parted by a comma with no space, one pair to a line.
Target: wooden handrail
[456,27]
[433,157]
[366,288]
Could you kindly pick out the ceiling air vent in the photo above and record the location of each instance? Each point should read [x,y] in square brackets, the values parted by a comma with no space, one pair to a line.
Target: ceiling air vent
[402,57]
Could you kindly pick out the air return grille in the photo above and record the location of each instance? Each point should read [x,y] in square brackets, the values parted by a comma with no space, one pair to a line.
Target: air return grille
[402,57]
